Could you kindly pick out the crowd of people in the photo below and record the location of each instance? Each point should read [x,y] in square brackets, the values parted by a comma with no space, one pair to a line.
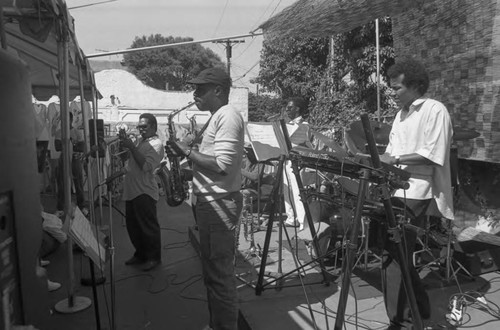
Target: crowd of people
[225,172]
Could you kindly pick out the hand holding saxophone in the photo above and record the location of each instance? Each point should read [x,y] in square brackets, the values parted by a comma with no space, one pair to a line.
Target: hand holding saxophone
[177,149]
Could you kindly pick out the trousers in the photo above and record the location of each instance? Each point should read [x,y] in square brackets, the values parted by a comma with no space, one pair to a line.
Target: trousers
[143,227]
[395,297]
[216,224]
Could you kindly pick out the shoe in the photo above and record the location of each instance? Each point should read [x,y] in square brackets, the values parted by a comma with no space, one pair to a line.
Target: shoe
[150,264]
[134,261]
[53,286]
[292,223]
[44,263]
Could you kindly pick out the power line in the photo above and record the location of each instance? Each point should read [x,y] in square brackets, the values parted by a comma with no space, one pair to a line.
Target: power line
[261,16]
[91,4]
[253,66]
[133,50]
[229,51]
[221,16]
[275,8]
[258,20]
[246,48]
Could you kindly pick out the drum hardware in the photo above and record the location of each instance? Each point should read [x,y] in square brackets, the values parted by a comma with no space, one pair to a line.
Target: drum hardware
[365,253]
[445,259]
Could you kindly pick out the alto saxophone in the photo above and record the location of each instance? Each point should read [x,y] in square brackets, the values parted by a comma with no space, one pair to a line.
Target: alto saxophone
[172,178]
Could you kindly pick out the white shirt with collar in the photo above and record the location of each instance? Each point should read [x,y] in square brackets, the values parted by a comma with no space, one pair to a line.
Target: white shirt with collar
[427,131]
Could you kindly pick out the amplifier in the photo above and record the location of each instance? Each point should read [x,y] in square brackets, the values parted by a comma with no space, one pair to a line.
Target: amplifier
[480,261]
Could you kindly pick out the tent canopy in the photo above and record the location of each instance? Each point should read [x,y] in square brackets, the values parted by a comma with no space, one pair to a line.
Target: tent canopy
[324,18]
[32,30]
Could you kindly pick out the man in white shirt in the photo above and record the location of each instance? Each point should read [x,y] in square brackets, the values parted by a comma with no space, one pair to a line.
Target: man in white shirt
[419,143]
[216,185]
[296,113]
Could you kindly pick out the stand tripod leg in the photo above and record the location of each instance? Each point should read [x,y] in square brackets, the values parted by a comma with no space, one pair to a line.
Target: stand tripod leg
[348,262]
[450,271]
[310,222]
[259,287]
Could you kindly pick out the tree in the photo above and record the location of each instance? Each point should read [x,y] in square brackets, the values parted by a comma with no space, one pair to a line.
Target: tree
[169,68]
[262,106]
[290,66]
[339,86]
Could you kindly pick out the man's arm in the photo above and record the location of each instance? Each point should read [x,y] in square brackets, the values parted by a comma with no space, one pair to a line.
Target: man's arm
[139,158]
[251,175]
[205,161]
[408,159]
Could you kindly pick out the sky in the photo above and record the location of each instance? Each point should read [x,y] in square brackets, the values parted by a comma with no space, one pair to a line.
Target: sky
[114,25]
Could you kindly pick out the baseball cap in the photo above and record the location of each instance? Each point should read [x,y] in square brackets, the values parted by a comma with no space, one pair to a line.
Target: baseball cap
[215,76]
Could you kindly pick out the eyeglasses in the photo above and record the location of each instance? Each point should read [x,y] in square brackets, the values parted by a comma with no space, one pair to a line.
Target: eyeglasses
[143,126]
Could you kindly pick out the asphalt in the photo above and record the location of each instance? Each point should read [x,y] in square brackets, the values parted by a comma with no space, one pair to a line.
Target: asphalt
[172,296]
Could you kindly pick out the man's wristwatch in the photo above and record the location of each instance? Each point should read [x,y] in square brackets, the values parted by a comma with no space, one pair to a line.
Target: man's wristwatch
[397,158]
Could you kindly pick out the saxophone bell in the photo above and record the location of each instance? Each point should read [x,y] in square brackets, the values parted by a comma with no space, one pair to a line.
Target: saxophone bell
[173,178]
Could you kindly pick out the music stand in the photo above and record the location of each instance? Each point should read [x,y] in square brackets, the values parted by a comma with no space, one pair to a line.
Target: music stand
[286,145]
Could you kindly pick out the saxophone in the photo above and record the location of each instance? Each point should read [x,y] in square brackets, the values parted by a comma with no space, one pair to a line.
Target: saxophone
[173,179]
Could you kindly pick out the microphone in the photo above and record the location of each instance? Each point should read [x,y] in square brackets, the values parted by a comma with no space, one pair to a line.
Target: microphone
[112,177]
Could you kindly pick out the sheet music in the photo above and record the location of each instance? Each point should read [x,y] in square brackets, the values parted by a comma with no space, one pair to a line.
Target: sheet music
[82,233]
[268,145]
[264,141]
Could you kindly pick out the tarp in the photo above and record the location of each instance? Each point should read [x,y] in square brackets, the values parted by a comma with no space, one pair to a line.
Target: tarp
[324,18]
[32,29]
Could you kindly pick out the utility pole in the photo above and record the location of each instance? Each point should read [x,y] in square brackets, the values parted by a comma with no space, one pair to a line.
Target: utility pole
[229,45]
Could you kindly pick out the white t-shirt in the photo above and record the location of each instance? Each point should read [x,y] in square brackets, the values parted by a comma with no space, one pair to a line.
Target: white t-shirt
[224,139]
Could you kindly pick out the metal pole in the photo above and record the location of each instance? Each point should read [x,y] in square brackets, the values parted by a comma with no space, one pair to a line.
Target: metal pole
[133,50]
[377,50]
[111,258]
[65,138]
[71,304]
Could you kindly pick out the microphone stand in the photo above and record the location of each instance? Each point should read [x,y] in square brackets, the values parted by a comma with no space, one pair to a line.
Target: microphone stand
[111,248]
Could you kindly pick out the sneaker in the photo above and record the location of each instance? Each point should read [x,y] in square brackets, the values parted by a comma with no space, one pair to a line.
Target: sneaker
[292,223]
[53,286]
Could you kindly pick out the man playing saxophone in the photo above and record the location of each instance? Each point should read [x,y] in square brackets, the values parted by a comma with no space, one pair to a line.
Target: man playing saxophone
[141,193]
[216,185]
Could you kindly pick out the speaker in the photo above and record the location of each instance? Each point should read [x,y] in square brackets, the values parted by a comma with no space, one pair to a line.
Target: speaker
[478,258]
[99,124]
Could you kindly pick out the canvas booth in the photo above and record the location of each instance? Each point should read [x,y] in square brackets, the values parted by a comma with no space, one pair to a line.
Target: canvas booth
[39,57]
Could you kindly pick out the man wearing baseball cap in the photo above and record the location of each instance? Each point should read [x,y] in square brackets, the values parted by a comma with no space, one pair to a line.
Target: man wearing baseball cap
[216,186]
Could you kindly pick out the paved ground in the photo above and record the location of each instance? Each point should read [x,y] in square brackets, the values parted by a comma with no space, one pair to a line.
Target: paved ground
[173,296]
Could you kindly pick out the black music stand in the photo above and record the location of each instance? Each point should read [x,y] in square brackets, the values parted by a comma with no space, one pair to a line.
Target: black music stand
[351,246]
[275,197]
